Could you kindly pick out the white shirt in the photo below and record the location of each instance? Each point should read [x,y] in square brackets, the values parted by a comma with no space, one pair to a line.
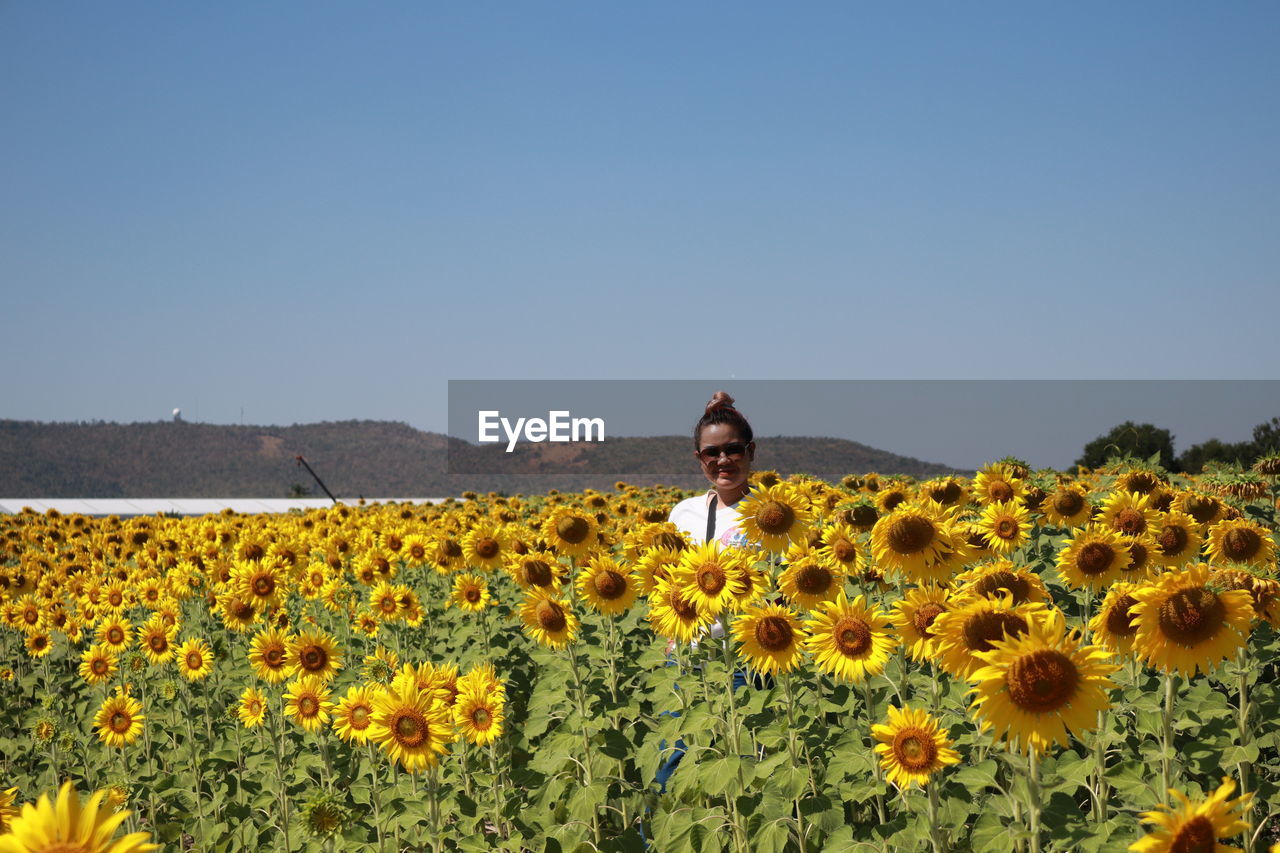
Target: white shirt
[691,517]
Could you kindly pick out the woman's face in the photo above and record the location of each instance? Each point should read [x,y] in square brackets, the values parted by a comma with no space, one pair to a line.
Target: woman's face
[725,473]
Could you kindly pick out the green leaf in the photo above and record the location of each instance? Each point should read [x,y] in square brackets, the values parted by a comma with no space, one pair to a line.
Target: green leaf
[979,776]
[989,835]
[585,802]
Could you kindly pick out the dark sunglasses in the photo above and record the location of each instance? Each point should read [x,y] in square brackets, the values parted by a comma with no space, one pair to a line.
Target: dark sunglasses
[712,452]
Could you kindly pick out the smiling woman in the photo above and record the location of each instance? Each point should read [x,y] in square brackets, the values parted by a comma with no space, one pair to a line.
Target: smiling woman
[723,446]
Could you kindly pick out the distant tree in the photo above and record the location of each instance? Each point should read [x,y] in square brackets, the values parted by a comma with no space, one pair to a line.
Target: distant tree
[1266,437]
[1193,459]
[297,490]
[1141,441]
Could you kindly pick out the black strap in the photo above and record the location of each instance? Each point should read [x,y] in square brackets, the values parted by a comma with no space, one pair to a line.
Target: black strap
[711,520]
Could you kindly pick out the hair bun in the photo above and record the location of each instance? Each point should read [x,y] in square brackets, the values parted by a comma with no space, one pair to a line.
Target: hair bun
[719,400]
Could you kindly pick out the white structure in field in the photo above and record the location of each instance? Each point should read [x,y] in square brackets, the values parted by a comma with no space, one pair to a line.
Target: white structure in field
[183,506]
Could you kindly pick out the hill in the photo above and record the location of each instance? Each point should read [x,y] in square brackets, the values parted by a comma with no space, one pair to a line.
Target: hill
[370,458]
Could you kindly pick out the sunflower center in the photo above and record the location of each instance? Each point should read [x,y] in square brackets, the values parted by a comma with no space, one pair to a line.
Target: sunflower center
[813,579]
[313,658]
[947,494]
[551,617]
[1042,681]
[487,548]
[387,604]
[195,660]
[1138,555]
[253,551]
[1130,522]
[264,586]
[158,643]
[1191,616]
[610,584]
[863,516]
[683,608]
[359,717]
[1172,540]
[1195,836]
[891,500]
[273,656]
[481,718]
[774,634]
[417,551]
[668,540]
[242,610]
[99,666]
[472,594]
[1000,491]
[537,573]
[844,551]
[990,626]
[410,728]
[914,750]
[1095,558]
[1241,544]
[1006,528]
[115,636]
[910,534]
[924,616]
[308,706]
[573,529]
[1017,586]
[1068,503]
[1120,615]
[120,722]
[1201,509]
[852,636]
[711,578]
[775,518]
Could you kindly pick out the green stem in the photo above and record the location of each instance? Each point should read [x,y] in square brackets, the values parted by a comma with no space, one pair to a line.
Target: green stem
[195,762]
[935,835]
[1100,770]
[801,831]
[284,790]
[588,775]
[1166,742]
[869,706]
[375,796]
[1033,798]
[1246,735]
[433,788]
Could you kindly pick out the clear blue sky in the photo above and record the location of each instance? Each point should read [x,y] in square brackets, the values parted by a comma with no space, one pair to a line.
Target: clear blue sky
[322,211]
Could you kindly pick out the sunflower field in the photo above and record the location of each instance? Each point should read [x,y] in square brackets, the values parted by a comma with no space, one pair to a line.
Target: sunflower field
[1018,661]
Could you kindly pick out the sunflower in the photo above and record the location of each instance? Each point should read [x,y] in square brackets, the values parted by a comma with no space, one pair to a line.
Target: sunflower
[481,678]
[1241,542]
[67,825]
[1142,558]
[1262,591]
[606,586]
[1005,526]
[849,639]
[115,634]
[314,653]
[673,615]
[384,603]
[775,517]
[354,714]
[1195,826]
[1185,626]
[485,546]
[916,541]
[39,644]
[411,727]
[914,614]
[1067,506]
[195,659]
[1112,625]
[990,579]
[119,719]
[536,570]
[307,701]
[912,747]
[1129,514]
[98,664]
[548,620]
[260,584]
[268,655]
[974,624]
[479,715]
[571,532]
[840,545]
[809,578]
[7,811]
[1038,686]
[380,666]
[770,637]
[252,707]
[711,577]
[1093,558]
[237,613]
[1179,540]
[155,638]
[946,491]
[470,593]
[1205,509]
[997,483]
[653,565]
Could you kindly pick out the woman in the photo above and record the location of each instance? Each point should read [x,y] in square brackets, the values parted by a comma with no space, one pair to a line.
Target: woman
[723,444]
